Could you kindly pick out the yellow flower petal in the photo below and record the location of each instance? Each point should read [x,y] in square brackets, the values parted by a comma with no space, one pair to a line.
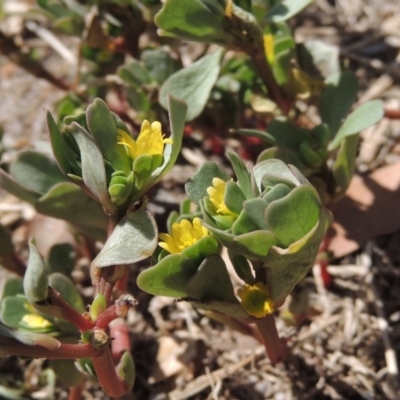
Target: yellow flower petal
[184,234]
[127,141]
[269,47]
[149,142]
[256,300]
[216,194]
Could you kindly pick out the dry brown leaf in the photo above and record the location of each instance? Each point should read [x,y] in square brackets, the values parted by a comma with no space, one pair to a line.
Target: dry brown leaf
[370,208]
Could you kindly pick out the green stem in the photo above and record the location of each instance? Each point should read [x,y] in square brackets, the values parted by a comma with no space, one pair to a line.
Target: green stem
[267,328]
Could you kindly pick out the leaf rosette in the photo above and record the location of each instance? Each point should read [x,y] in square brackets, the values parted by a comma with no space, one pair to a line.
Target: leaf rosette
[271,216]
[96,151]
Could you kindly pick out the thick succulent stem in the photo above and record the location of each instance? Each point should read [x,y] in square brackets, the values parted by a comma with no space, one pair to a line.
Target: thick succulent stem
[107,375]
[63,352]
[68,312]
[267,328]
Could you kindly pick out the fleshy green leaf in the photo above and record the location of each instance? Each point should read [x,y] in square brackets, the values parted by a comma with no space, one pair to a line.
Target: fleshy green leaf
[337,98]
[286,9]
[64,155]
[104,129]
[133,239]
[8,183]
[193,84]
[242,174]
[126,370]
[364,116]
[35,279]
[169,277]
[272,172]
[35,171]
[245,223]
[12,310]
[255,209]
[192,19]
[68,291]
[285,269]
[134,73]
[211,281]
[265,136]
[277,192]
[234,197]
[294,216]
[160,64]
[13,287]
[93,169]
[68,202]
[254,245]
[287,156]
[61,258]
[198,251]
[343,166]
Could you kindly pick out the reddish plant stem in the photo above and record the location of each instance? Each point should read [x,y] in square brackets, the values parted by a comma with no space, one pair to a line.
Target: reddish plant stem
[122,283]
[121,342]
[107,316]
[392,114]
[64,352]
[107,375]
[267,328]
[75,392]
[118,310]
[322,261]
[13,264]
[69,313]
[266,75]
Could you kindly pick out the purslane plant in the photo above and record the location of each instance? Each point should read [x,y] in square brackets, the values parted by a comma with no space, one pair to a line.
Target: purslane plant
[95,151]
[272,222]
[271,217]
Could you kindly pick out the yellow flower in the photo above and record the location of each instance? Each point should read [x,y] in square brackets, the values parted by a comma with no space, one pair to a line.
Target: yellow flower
[269,47]
[216,194]
[183,235]
[256,300]
[35,321]
[149,142]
